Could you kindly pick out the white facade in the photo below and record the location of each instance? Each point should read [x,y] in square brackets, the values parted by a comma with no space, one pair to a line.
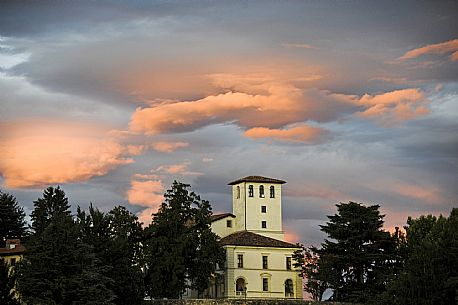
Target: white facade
[258,261]
[257,207]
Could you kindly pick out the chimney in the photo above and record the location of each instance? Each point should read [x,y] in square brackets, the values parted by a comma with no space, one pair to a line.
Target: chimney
[12,243]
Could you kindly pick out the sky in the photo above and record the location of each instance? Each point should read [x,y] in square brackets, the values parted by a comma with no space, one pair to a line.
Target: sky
[345,100]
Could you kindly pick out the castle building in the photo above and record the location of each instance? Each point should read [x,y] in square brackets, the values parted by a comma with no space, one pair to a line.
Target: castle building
[258,260]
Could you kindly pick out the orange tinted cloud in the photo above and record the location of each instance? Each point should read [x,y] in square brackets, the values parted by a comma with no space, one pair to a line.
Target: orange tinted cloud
[272,105]
[39,153]
[303,133]
[431,194]
[450,46]
[169,147]
[148,194]
[176,169]
[395,106]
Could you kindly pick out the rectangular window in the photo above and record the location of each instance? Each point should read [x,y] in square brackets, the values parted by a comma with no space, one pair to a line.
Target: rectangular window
[229,223]
[265,264]
[240,260]
[263,224]
[265,284]
[13,261]
[263,209]
[288,263]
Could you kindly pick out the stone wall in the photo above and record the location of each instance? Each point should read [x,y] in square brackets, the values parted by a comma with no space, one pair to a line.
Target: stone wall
[239,302]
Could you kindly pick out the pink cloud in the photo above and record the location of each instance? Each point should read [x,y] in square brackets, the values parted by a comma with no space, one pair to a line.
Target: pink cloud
[39,153]
[431,194]
[395,106]
[169,147]
[265,105]
[303,134]
[176,169]
[278,106]
[446,47]
[148,194]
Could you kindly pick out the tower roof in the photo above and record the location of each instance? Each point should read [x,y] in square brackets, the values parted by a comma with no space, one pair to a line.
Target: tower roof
[257,179]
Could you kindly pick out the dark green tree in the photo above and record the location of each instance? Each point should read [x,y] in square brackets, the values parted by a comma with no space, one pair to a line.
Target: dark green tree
[12,219]
[359,256]
[7,284]
[58,267]
[116,238]
[180,247]
[53,204]
[430,275]
[317,273]
[208,251]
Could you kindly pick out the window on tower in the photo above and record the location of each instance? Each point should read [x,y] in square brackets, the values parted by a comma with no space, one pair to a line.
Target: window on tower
[238,192]
[261,191]
[263,209]
[263,224]
[250,191]
[272,191]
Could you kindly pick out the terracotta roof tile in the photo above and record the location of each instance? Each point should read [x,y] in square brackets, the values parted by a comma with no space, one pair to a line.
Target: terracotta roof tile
[19,249]
[246,238]
[216,217]
[257,179]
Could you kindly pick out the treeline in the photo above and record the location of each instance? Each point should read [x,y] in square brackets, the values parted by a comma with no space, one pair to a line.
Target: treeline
[359,262]
[107,258]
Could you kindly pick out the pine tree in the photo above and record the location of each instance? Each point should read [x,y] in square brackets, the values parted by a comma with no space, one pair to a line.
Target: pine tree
[115,238]
[53,204]
[359,255]
[58,267]
[12,219]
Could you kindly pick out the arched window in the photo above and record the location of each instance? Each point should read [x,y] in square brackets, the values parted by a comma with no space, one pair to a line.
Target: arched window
[261,191]
[250,191]
[240,286]
[289,289]
[272,191]
[238,192]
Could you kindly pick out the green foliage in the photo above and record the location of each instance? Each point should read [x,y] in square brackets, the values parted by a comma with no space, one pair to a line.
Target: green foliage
[53,204]
[180,247]
[59,267]
[430,275]
[12,219]
[116,239]
[358,257]
[317,273]
[7,283]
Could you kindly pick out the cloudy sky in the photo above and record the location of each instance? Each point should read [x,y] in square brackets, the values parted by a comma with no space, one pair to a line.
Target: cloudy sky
[345,100]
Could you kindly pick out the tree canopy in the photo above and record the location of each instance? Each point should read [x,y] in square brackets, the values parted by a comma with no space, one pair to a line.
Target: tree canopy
[356,259]
[181,250]
[12,219]
[430,275]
